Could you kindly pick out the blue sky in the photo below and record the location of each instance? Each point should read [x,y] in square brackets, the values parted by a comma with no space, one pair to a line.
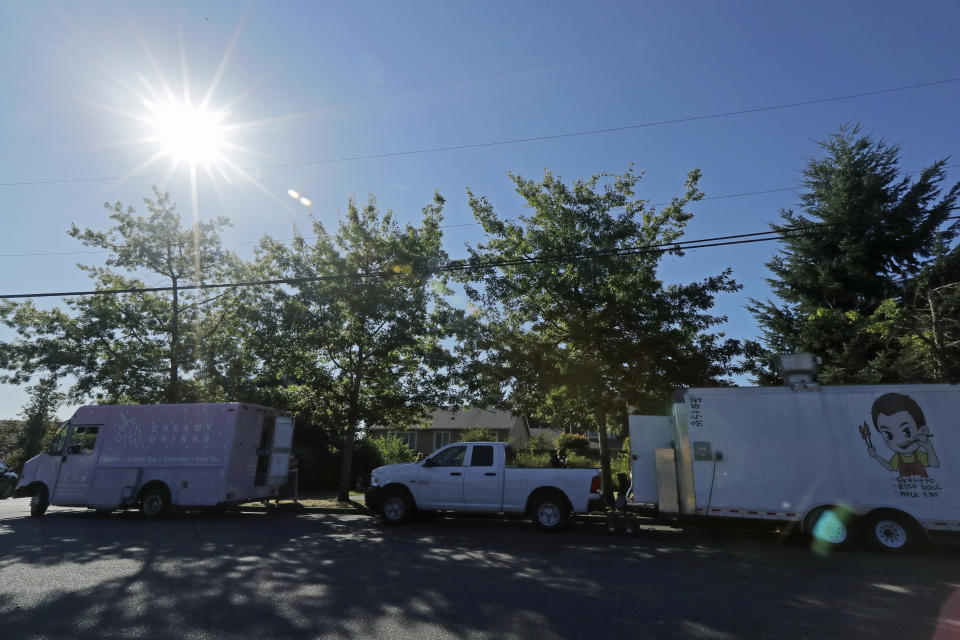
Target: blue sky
[325,81]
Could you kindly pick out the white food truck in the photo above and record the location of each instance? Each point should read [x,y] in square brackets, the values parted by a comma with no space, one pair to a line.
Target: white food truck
[158,456]
[877,463]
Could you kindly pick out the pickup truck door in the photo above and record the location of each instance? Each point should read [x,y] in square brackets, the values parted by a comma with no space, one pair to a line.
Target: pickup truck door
[77,465]
[440,480]
[483,478]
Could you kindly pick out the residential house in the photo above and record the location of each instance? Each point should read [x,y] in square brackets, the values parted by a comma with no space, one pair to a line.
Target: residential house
[445,426]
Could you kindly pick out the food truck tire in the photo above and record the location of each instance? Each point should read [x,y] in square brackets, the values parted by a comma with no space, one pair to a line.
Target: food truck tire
[154,501]
[830,526]
[39,501]
[892,531]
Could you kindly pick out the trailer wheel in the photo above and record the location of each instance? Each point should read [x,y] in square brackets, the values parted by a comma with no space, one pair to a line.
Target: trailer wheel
[155,502]
[831,527]
[396,507]
[549,511]
[891,531]
[39,501]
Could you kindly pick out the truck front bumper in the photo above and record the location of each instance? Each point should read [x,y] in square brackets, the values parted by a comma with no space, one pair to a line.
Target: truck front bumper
[372,497]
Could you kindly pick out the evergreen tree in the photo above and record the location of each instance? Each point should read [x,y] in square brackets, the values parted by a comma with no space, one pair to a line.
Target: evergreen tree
[867,236]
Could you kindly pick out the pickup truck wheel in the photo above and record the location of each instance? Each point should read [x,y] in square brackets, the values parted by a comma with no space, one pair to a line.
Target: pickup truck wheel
[549,511]
[155,503]
[396,507]
[39,502]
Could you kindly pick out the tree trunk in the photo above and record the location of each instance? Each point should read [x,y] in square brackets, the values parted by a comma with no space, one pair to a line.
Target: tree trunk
[343,494]
[606,484]
[173,391]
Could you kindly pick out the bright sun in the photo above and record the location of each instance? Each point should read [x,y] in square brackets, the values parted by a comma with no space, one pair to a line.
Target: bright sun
[188,134]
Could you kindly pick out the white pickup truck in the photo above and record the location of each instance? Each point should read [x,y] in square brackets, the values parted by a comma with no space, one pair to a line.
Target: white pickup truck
[473,477]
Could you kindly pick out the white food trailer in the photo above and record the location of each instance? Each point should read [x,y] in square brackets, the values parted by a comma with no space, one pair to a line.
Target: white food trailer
[158,456]
[880,463]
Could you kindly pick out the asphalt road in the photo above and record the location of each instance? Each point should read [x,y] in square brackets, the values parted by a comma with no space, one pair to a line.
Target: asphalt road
[76,574]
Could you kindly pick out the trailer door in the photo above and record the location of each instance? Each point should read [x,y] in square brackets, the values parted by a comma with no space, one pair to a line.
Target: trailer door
[79,460]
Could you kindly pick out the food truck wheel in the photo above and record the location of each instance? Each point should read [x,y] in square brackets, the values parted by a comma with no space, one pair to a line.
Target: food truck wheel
[832,527]
[155,502]
[891,531]
[396,506]
[39,502]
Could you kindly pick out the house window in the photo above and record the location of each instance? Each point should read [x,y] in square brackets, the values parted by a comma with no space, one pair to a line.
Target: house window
[441,438]
[410,437]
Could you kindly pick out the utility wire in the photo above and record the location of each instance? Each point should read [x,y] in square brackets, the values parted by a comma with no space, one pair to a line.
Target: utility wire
[446,226]
[510,141]
[471,265]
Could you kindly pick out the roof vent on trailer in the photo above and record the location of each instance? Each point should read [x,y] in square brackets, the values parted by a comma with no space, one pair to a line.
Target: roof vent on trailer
[797,369]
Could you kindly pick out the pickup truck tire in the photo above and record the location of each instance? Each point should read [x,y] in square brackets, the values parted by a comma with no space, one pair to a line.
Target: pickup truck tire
[39,501]
[155,502]
[396,507]
[549,511]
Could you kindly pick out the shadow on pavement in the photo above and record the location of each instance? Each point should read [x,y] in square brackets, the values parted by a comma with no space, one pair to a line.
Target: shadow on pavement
[288,575]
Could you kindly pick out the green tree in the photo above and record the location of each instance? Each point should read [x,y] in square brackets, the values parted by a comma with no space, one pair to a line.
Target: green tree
[478,434]
[357,337]
[579,328]
[38,421]
[866,275]
[135,346]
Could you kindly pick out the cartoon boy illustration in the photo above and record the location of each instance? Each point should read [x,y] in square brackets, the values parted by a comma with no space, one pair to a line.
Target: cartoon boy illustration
[899,419]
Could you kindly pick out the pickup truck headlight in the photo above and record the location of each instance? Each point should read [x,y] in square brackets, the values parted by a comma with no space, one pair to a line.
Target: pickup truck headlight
[374,480]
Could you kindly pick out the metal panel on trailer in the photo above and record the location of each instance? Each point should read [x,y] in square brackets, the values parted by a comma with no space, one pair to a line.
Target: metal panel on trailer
[647,433]
[668,499]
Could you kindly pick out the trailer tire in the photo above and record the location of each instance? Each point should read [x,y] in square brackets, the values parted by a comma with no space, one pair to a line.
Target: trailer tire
[396,507]
[892,531]
[831,527]
[549,510]
[39,501]
[154,502]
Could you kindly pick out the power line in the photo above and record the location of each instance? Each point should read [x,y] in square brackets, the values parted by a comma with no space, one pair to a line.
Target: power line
[510,141]
[470,265]
[447,226]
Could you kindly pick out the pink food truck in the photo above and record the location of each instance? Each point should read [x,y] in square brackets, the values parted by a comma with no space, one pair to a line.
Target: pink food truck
[154,457]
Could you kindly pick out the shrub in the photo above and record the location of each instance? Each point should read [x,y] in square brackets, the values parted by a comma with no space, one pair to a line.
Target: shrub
[531,459]
[619,463]
[477,434]
[538,443]
[571,441]
[578,461]
[626,445]
[392,449]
